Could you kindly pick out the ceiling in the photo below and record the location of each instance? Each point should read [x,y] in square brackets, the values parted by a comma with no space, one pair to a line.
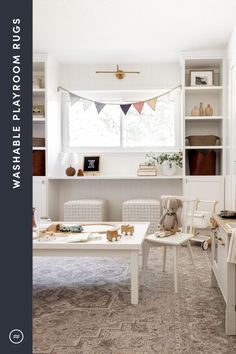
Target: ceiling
[130,31]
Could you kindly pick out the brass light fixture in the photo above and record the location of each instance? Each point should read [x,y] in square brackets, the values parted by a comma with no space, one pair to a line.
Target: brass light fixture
[120,74]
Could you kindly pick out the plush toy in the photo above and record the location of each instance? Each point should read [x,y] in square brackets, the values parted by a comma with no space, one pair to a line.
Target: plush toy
[169,221]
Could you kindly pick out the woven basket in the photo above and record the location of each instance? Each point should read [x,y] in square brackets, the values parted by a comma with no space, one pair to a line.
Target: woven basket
[203,140]
[38,142]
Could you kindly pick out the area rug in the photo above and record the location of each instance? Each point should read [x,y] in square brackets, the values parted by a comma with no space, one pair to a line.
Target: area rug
[82,306]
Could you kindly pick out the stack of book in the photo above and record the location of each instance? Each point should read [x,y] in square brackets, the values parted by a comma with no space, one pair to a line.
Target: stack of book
[147,170]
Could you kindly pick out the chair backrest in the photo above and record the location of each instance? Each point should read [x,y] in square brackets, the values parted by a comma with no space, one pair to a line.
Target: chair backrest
[186,212]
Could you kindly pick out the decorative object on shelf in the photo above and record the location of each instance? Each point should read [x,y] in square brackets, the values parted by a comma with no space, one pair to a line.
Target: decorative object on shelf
[169,221]
[37,83]
[80,172]
[70,171]
[169,161]
[201,77]
[38,142]
[147,169]
[70,160]
[91,163]
[112,235]
[208,110]
[120,74]
[195,112]
[201,109]
[38,111]
[127,229]
[202,162]
[202,140]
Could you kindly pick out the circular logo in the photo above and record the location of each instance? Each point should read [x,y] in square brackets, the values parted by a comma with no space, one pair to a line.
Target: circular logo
[16,336]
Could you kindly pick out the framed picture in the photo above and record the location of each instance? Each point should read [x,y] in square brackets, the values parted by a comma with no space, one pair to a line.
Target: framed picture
[91,163]
[201,77]
[38,111]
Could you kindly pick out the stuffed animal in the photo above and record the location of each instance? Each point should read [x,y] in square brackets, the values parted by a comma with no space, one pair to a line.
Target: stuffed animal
[169,221]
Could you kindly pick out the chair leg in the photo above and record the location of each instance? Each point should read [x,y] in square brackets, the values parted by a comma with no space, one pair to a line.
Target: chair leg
[145,254]
[191,254]
[175,249]
[164,260]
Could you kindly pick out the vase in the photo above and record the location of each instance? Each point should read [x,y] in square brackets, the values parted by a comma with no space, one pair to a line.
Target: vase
[201,109]
[169,168]
[195,111]
[208,110]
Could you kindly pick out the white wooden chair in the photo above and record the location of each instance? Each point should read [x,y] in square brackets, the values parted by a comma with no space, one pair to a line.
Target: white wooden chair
[174,241]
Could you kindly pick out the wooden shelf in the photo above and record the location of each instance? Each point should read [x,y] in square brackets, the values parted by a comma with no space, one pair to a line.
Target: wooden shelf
[210,147]
[206,118]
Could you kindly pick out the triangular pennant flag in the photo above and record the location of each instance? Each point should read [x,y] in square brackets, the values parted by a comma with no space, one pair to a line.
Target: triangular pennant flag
[152,103]
[138,106]
[86,104]
[99,106]
[73,98]
[125,107]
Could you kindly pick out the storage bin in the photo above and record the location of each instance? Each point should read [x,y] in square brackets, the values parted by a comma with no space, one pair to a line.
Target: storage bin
[202,162]
[38,142]
[202,140]
[38,163]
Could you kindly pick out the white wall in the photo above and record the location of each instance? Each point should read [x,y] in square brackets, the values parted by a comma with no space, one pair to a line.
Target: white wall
[231,128]
[152,76]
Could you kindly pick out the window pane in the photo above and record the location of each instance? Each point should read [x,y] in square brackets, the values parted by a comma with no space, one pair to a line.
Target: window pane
[150,128]
[90,129]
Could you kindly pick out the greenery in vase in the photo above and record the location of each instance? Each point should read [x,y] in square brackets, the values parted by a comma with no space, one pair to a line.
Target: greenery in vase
[176,157]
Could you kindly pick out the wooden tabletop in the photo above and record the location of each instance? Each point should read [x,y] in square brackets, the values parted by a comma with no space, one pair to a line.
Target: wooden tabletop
[223,223]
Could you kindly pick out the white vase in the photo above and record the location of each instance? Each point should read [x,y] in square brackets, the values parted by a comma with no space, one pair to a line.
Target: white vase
[169,168]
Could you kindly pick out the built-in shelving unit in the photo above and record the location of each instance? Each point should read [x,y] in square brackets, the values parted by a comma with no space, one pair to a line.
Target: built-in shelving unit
[39,114]
[203,125]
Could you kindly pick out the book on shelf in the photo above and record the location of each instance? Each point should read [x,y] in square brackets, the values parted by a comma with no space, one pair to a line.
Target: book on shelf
[147,172]
[143,166]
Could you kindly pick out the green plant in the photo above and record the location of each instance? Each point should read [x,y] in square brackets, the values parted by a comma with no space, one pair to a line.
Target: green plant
[176,157]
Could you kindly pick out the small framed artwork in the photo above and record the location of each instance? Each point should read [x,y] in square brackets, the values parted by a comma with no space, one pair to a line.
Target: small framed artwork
[38,111]
[201,77]
[91,163]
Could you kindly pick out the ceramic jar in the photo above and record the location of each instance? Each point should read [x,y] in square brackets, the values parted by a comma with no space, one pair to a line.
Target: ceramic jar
[195,111]
[208,110]
[201,109]
[169,168]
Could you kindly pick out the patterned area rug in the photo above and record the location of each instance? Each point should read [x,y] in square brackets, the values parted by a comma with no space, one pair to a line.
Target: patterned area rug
[82,306]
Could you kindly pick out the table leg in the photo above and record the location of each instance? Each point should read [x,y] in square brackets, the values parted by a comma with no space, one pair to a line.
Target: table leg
[134,277]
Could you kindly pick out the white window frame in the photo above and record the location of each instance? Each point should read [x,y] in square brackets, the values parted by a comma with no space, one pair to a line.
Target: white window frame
[126,96]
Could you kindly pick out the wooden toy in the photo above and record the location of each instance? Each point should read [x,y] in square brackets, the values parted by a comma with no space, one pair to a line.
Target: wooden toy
[112,235]
[127,229]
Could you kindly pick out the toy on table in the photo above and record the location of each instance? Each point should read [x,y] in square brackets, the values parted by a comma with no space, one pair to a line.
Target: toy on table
[112,235]
[127,229]
[169,222]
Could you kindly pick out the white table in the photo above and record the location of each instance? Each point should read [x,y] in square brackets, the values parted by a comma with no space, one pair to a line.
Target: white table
[128,246]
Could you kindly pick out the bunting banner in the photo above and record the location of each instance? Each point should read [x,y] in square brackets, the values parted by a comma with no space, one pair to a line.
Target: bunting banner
[86,104]
[152,102]
[139,106]
[125,108]
[99,106]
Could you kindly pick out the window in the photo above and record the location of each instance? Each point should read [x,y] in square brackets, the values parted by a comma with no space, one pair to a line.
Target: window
[112,130]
